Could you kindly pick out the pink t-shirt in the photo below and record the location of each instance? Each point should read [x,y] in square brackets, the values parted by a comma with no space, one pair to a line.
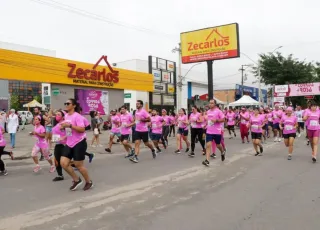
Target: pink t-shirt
[289,124]
[85,121]
[172,120]
[214,128]
[244,115]
[269,116]
[140,125]
[276,115]
[115,121]
[181,120]
[2,140]
[126,119]
[303,114]
[264,117]
[156,124]
[167,119]
[231,118]
[194,117]
[57,133]
[255,122]
[313,120]
[74,137]
[41,142]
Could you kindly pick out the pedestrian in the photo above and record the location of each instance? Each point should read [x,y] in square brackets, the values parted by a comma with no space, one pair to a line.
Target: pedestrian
[76,145]
[255,124]
[244,119]
[23,120]
[196,120]
[182,132]
[41,145]
[288,125]
[3,171]
[13,123]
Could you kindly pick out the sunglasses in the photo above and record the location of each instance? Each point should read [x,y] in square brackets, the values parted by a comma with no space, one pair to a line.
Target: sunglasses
[67,103]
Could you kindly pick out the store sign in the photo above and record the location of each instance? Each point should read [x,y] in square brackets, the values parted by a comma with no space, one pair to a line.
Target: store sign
[281,89]
[156,75]
[127,95]
[55,92]
[278,99]
[170,66]
[170,88]
[309,97]
[92,100]
[213,43]
[168,100]
[159,88]
[162,64]
[21,66]
[280,94]
[165,76]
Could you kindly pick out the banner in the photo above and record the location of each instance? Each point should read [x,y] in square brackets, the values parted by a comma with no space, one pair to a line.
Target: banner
[294,90]
[93,100]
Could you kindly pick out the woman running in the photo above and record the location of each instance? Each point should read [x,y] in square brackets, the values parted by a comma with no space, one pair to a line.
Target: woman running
[312,119]
[231,121]
[196,120]
[59,137]
[182,123]
[264,128]
[115,130]
[41,145]
[3,143]
[156,127]
[288,125]
[165,127]
[48,123]
[244,118]
[172,124]
[256,123]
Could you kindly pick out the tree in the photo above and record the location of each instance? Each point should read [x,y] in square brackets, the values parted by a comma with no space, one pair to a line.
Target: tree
[38,98]
[14,102]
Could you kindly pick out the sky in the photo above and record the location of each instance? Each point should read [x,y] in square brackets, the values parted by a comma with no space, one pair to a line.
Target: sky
[134,29]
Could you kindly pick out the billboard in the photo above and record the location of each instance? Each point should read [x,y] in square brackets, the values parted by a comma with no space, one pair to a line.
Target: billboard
[252,92]
[294,90]
[92,100]
[214,43]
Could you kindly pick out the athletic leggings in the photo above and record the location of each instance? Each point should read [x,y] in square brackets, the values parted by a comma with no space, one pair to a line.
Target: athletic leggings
[214,146]
[244,131]
[196,132]
[165,133]
[2,152]
[172,130]
[58,149]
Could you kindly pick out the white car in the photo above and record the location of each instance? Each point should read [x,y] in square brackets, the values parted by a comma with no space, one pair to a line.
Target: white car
[29,116]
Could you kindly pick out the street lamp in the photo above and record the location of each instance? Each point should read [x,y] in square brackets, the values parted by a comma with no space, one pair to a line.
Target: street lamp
[179,99]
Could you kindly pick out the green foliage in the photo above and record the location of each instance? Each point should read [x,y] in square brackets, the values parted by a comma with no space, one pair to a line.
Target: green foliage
[14,102]
[38,98]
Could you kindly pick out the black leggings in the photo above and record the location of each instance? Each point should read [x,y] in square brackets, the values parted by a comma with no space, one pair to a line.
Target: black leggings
[2,152]
[58,150]
[172,130]
[196,132]
[165,133]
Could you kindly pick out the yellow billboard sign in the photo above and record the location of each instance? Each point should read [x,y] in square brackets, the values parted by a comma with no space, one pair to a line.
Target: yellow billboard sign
[213,43]
[30,67]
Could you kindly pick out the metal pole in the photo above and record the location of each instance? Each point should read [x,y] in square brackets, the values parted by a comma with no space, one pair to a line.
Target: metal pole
[180,80]
[242,69]
[210,80]
[259,78]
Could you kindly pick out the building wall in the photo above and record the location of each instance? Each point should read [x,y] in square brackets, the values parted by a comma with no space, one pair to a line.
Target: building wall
[227,95]
[116,96]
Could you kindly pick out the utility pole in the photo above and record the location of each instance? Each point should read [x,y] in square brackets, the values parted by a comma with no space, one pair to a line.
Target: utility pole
[179,80]
[242,76]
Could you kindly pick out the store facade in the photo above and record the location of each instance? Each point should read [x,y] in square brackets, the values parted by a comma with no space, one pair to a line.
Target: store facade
[96,86]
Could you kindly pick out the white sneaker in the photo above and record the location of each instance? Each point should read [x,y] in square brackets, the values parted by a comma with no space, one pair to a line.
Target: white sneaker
[275,139]
[299,135]
[280,139]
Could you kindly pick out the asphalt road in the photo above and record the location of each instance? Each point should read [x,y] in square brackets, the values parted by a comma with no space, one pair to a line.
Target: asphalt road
[172,192]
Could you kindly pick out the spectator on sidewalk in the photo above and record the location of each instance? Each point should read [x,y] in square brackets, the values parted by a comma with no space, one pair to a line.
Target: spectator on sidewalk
[13,123]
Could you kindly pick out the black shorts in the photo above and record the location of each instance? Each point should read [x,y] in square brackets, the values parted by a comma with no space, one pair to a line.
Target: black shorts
[256,135]
[124,137]
[287,136]
[276,126]
[183,132]
[77,153]
[301,125]
[264,127]
[155,136]
[214,137]
[230,127]
[144,136]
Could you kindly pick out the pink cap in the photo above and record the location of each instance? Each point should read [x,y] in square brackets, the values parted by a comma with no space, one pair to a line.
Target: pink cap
[289,108]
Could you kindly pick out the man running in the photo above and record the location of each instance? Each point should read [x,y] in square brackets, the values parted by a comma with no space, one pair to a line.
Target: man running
[142,118]
[127,122]
[276,117]
[156,129]
[215,117]
[115,130]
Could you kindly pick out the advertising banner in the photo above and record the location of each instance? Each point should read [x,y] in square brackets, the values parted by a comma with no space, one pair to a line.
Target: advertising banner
[92,100]
[278,99]
[294,90]
[213,43]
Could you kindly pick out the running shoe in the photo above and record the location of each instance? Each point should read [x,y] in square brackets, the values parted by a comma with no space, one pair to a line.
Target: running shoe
[36,169]
[299,135]
[223,155]
[88,186]
[314,159]
[280,139]
[154,154]
[131,154]
[213,155]
[91,156]
[76,184]
[203,152]
[108,150]
[275,139]
[177,151]
[159,151]
[11,155]
[58,178]
[206,163]
[187,150]
[289,157]
[308,142]
[4,173]
[134,159]
[257,153]
[261,149]
[191,154]
[52,169]
[230,137]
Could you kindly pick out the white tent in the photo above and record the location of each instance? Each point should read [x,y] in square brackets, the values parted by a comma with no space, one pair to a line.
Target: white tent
[33,104]
[220,102]
[245,100]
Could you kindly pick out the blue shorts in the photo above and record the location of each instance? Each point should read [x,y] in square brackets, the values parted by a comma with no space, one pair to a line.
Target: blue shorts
[276,126]
[183,132]
[214,137]
[155,136]
[48,129]
[115,134]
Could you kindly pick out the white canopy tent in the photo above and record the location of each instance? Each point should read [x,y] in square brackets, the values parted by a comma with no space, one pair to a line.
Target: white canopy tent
[34,104]
[245,100]
[220,102]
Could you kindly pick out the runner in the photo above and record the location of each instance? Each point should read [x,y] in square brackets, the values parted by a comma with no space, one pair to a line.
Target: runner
[3,143]
[142,118]
[182,133]
[41,145]
[156,129]
[115,130]
[48,125]
[215,117]
[165,127]
[172,124]
[126,125]
[196,120]
[87,127]
[306,122]
[299,115]
[76,145]
[231,121]
[312,119]
[244,118]
[214,146]
[60,139]
[256,123]
[276,117]
[265,127]
[288,125]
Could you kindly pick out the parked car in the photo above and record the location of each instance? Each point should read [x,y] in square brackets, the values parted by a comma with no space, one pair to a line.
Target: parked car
[29,116]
